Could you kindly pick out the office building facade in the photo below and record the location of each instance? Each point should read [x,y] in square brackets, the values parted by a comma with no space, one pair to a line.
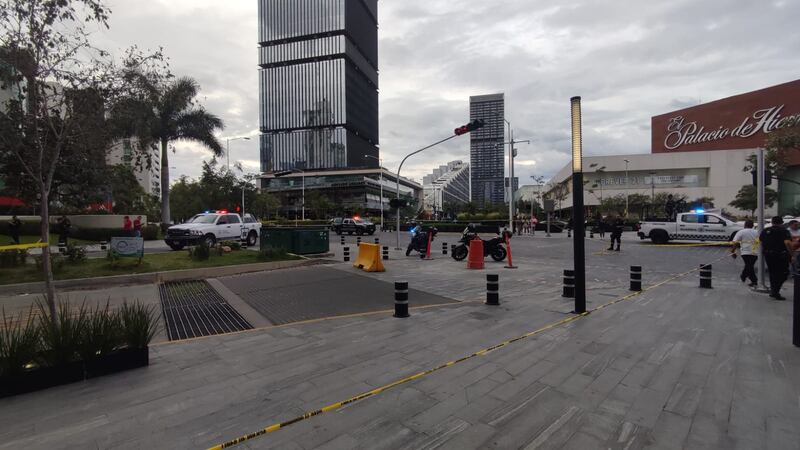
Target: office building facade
[318,84]
[486,149]
[446,184]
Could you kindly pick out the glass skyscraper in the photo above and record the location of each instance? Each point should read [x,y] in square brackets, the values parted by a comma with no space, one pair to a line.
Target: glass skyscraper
[486,149]
[318,83]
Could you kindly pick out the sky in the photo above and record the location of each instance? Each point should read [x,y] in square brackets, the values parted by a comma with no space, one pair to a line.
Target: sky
[628,60]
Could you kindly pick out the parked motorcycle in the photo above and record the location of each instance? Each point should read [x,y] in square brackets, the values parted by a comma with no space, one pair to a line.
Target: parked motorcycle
[494,247]
[419,242]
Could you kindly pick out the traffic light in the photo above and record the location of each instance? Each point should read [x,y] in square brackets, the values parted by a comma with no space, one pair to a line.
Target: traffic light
[398,203]
[767,177]
[471,126]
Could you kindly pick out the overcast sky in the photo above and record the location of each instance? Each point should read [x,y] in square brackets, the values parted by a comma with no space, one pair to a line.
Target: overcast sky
[628,59]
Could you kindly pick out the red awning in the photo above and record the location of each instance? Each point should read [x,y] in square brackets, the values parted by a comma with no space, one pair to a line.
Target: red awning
[10,201]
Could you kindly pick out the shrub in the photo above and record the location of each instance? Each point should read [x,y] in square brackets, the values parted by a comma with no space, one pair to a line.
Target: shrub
[19,343]
[13,258]
[200,252]
[139,324]
[61,339]
[75,253]
[101,333]
[150,232]
[56,261]
[234,245]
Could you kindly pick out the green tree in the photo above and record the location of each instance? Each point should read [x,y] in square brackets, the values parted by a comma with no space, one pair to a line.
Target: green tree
[159,111]
[126,193]
[265,204]
[747,198]
[50,66]
[614,205]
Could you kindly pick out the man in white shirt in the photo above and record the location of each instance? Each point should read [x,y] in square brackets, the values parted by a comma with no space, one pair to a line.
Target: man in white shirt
[746,241]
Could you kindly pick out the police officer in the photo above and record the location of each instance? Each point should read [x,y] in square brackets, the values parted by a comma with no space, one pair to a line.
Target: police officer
[616,233]
[669,208]
[776,247]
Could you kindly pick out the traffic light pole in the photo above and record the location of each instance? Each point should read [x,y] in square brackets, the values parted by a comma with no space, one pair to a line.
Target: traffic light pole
[397,187]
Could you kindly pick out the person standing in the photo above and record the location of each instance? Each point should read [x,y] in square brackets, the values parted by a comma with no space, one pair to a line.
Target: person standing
[669,208]
[776,246]
[534,222]
[62,226]
[127,226]
[137,226]
[601,227]
[746,240]
[616,233]
[14,227]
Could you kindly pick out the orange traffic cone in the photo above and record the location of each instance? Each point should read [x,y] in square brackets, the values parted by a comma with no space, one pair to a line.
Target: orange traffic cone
[475,260]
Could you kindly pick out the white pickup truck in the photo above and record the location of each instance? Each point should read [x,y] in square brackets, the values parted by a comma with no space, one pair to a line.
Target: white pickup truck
[212,227]
[690,226]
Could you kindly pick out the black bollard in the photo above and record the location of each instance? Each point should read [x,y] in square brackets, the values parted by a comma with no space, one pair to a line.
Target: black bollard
[569,233]
[591,233]
[385,253]
[636,278]
[705,276]
[492,289]
[452,248]
[401,299]
[358,240]
[377,240]
[796,315]
[342,240]
[444,248]
[346,254]
[569,283]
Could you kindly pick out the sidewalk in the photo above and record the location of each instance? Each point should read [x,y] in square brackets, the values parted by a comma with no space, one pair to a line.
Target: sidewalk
[675,367]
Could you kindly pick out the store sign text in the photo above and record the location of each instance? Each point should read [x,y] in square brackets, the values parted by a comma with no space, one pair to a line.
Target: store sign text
[766,120]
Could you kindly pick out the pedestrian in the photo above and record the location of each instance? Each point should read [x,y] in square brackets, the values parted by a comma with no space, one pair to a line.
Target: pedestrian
[669,208]
[127,226]
[62,226]
[601,227]
[14,227]
[776,246]
[616,233]
[137,226]
[746,241]
[534,222]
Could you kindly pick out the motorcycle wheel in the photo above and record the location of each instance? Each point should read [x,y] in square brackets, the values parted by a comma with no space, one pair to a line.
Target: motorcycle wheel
[498,253]
[460,252]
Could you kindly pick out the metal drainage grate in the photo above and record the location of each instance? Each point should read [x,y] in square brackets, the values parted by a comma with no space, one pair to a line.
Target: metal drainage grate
[193,308]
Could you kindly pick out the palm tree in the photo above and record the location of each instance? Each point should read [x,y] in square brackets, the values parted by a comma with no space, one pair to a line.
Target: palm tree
[157,114]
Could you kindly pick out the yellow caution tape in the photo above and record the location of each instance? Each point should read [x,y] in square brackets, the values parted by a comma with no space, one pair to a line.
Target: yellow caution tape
[337,405]
[22,246]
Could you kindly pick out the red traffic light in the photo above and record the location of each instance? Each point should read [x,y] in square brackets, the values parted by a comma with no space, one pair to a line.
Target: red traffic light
[471,126]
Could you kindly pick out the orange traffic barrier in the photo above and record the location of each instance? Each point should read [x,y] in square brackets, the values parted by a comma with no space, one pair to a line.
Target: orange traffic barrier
[508,247]
[475,260]
[369,258]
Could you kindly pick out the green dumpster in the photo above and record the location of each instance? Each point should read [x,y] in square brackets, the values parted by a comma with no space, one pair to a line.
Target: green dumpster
[299,240]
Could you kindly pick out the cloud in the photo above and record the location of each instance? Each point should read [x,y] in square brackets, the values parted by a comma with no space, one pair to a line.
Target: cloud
[628,59]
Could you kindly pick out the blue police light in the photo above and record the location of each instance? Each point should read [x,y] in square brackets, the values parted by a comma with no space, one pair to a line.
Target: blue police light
[208,212]
[697,211]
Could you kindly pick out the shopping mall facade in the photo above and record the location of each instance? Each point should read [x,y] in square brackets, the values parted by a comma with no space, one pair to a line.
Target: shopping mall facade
[698,152]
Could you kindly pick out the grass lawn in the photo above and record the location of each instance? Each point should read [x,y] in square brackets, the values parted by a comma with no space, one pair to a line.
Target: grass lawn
[6,240]
[156,262]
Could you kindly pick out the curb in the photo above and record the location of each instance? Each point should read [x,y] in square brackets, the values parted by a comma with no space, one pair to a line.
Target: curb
[38,287]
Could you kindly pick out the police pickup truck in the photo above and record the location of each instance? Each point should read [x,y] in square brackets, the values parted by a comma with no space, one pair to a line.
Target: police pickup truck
[697,225]
[212,227]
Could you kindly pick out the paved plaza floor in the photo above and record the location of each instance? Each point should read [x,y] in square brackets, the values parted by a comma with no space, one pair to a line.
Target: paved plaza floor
[675,367]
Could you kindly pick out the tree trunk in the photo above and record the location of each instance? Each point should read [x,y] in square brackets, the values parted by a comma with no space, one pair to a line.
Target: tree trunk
[47,267]
[165,216]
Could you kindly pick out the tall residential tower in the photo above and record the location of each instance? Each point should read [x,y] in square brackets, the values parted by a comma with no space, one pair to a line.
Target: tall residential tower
[318,84]
[486,149]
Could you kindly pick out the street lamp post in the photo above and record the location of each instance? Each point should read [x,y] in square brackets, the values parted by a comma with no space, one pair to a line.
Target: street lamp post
[577,207]
[228,147]
[627,186]
[380,163]
[397,184]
